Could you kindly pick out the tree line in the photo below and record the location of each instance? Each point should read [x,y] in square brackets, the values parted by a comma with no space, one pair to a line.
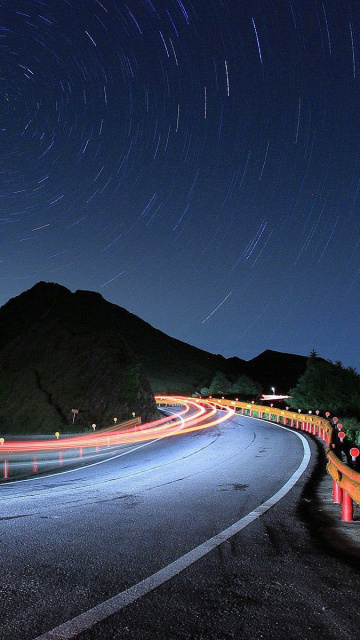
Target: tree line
[243,386]
[329,386]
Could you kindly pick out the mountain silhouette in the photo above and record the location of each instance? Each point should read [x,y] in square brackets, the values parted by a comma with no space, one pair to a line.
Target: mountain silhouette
[61,351]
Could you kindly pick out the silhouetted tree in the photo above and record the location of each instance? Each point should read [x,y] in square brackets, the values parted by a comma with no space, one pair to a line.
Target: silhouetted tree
[327,386]
[247,387]
[219,385]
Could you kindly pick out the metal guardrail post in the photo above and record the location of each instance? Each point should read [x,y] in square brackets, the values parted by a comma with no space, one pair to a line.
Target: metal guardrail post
[347,510]
[337,493]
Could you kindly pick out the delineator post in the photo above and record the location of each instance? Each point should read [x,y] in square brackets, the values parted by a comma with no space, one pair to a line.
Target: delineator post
[347,510]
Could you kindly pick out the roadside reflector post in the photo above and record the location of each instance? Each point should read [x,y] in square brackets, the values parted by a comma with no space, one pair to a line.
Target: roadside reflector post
[347,509]
[80,452]
[341,435]
[337,493]
[57,434]
[354,452]
[35,464]
[6,469]
[60,457]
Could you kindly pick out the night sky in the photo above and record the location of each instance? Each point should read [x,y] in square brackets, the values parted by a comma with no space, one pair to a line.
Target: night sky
[195,161]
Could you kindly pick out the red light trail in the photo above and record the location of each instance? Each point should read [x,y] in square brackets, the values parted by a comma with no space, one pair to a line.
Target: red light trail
[193,415]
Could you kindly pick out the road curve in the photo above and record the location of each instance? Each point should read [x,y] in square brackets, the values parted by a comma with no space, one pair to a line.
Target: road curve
[74,541]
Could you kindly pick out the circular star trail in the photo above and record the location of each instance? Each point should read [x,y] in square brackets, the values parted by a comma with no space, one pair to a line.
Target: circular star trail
[197,162]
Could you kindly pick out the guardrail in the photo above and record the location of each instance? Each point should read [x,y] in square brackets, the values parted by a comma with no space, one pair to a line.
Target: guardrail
[346,485]
[346,481]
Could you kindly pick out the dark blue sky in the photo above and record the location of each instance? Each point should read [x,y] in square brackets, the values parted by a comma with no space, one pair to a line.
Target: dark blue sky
[196,162]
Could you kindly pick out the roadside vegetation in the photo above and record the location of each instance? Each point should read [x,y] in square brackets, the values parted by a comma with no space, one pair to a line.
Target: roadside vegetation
[329,386]
[243,386]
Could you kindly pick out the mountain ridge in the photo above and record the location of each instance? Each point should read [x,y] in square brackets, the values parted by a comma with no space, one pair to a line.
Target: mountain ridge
[65,349]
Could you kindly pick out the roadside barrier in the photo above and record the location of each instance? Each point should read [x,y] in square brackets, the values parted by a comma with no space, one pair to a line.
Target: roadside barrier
[346,485]
[346,481]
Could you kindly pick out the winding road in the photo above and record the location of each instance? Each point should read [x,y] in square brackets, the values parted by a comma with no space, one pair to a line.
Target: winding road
[194,536]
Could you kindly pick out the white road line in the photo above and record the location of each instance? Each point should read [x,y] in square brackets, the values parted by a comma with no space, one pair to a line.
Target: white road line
[92,464]
[89,618]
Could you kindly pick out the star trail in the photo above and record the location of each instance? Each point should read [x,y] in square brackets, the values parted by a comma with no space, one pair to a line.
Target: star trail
[168,152]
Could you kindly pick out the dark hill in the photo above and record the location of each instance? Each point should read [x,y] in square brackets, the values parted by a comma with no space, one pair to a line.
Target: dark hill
[275,369]
[58,353]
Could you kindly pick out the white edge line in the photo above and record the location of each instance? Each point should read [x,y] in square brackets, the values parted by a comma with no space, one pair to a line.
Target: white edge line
[88,619]
[92,464]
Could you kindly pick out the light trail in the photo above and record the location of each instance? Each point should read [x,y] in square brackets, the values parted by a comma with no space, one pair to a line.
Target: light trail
[195,415]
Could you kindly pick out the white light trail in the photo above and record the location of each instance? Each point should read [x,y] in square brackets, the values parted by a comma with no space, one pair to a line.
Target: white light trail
[227,78]
[257,40]
[218,307]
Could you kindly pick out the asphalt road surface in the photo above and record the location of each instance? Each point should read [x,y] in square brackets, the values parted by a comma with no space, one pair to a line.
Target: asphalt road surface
[91,540]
